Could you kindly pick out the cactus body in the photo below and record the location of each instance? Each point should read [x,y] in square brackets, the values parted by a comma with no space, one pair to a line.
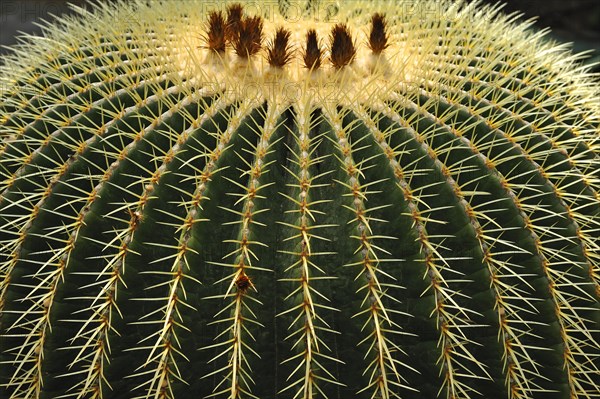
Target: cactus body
[414,216]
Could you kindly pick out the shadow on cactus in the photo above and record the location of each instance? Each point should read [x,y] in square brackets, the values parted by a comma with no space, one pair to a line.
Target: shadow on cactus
[363,200]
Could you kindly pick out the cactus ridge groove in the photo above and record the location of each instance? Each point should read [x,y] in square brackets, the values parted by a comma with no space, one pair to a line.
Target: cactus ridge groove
[301,199]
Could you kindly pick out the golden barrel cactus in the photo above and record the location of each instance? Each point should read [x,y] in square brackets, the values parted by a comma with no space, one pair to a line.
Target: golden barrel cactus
[298,199]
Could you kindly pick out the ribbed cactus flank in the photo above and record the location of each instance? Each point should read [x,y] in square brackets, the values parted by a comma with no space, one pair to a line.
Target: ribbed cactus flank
[298,199]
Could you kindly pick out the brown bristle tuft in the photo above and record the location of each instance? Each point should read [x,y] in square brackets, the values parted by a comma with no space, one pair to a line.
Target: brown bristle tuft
[216,32]
[248,39]
[312,54]
[343,50]
[378,38]
[235,13]
[279,51]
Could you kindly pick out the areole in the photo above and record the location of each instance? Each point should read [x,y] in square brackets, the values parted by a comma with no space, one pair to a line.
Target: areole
[320,60]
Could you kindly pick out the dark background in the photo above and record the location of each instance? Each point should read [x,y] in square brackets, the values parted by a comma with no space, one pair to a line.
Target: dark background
[576,21]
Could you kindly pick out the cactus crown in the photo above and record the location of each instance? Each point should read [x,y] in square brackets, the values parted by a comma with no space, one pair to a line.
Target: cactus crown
[298,199]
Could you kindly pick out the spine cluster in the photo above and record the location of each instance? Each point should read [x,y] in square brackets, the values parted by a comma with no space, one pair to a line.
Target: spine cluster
[245,35]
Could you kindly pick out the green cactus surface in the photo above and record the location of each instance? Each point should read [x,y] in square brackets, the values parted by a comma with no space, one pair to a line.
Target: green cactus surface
[298,199]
